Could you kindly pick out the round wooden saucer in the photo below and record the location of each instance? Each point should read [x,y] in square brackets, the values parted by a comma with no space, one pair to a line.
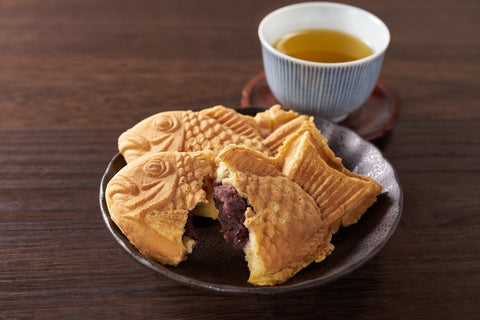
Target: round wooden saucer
[375,118]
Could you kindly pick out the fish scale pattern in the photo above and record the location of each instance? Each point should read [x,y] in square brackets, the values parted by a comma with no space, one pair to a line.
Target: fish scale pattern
[192,169]
[215,130]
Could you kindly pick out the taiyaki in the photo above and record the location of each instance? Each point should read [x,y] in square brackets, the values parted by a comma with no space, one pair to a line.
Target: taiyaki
[280,133]
[152,198]
[273,118]
[276,222]
[343,196]
[280,190]
[208,129]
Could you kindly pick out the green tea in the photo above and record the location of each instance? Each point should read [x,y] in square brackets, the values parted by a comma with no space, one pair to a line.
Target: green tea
[322,45]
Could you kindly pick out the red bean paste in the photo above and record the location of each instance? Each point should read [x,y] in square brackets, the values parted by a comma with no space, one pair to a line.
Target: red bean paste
[231,208]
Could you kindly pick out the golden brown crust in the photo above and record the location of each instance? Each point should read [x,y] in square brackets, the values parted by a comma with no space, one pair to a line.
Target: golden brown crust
[150,198]
[159,132]
[343,196]
[241,125]
[278,136]
[286,230]
[273,118]
[209,129]
[299,190]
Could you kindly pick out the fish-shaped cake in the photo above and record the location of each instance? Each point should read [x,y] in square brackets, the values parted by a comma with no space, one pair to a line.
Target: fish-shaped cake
[280,134]
[282,230]
[152,198]
[208,129]
[273,118]
[342,196]
[277,188]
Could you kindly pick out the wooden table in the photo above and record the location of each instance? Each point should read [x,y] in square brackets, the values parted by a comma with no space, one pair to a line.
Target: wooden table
[75,74]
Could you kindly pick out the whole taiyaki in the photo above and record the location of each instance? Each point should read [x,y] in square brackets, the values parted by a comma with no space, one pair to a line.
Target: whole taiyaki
[208,129]
[152,198]
[278,224]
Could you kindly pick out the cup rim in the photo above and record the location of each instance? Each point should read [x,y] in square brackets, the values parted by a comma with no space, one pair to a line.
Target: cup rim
[269,47]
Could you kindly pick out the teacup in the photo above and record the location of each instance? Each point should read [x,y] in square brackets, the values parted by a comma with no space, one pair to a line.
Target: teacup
[330,90]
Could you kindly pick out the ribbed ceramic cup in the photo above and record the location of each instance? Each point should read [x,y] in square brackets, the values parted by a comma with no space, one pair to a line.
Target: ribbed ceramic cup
[330,90]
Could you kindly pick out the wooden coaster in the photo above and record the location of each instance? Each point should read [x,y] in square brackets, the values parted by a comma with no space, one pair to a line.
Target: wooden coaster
[374,119]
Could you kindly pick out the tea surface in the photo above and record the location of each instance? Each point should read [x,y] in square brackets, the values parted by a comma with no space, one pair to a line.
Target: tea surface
[322,45]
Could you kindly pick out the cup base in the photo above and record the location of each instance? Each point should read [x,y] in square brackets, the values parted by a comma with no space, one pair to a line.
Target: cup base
[372,120]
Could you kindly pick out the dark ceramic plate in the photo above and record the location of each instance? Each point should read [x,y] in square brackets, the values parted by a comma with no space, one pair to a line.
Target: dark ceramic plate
[214,265]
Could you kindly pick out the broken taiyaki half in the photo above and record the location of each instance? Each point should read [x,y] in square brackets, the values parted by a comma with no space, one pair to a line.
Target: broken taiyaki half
[276,223]
[342,196]
[152,200]
[184,131]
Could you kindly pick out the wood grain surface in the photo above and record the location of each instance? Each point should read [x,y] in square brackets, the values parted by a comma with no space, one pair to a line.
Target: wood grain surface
[75,74]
